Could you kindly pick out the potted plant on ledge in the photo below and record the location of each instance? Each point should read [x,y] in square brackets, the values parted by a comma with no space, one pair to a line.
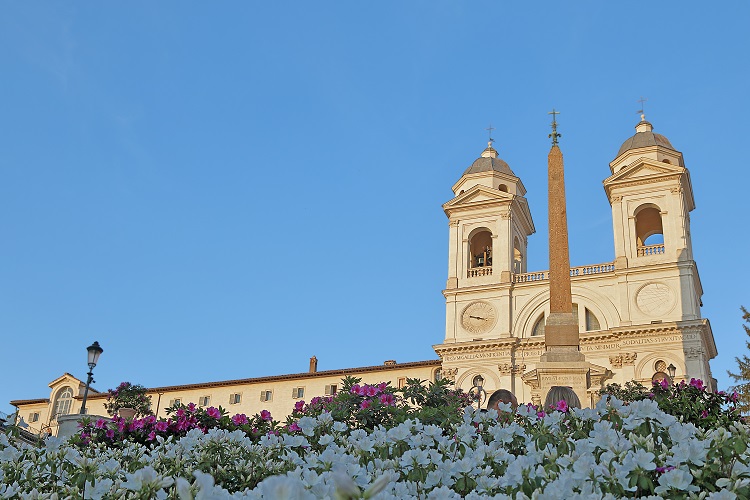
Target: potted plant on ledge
[128,401]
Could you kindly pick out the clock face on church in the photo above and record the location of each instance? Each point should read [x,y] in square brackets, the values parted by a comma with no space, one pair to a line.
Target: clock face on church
[478,317]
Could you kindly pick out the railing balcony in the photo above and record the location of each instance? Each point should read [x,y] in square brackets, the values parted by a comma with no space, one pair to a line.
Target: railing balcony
[479,271]
[650,250]
[607,267]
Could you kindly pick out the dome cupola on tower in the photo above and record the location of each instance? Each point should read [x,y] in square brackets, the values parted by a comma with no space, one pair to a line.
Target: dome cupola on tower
[646,143]
[491,171]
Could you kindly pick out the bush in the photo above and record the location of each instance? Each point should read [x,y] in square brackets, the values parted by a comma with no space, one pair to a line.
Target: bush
[127,395]
[690,402]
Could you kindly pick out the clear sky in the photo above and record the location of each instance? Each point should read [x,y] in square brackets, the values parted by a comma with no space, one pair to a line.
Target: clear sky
[222,190]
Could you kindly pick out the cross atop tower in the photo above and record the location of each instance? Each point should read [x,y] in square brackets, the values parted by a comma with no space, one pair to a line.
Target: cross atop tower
[641,111]
[489,135]
[554,135]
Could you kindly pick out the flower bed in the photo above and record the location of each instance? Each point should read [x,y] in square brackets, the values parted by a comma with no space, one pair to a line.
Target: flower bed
[611,451]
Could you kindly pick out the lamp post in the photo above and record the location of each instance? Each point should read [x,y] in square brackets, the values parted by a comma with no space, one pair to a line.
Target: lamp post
[95,350]
[672,370]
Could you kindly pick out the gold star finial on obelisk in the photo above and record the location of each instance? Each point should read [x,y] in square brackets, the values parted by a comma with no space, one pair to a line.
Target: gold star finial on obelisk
[554,135]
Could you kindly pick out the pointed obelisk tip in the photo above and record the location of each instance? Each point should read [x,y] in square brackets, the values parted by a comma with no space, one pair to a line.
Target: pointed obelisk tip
[554,135]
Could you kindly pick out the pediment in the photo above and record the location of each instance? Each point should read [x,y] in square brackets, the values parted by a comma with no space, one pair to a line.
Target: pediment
[643,169]
[479,194]
[66,379]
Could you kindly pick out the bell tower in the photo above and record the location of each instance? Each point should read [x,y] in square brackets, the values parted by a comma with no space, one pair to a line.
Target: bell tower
[651,198]
[489,225]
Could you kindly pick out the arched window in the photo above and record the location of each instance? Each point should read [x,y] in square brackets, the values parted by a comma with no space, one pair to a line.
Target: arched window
[592,324]
[438,375]
[648,229]
[517,256]
[480,249]
[63,401]
[538,329]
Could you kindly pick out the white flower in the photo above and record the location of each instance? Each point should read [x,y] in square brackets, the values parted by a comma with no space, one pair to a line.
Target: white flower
[284,487]
[722,495]
[307,424]
[676,479]
[340,426]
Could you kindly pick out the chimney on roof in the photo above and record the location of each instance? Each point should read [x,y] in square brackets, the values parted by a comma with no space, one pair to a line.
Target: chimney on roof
[390,362]
[313,364]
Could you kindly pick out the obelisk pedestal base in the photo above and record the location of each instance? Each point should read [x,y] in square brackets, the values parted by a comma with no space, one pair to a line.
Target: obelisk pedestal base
[573,374]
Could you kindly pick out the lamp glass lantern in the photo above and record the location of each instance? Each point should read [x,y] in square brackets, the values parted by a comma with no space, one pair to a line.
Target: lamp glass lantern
[95,350]
[672,370]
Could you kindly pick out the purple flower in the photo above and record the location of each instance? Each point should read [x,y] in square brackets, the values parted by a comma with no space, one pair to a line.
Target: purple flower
[704,414]
[239,419]
[213,412]
[697,383]
[161,426]
[151,436]
[561,405]
[387,399]
[191,407]
[110,433]
[101,423]
[354,389]
[266,415]
[299,405]
[293,427]
[365,404]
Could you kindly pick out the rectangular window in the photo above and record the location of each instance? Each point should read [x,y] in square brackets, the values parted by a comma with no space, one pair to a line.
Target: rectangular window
[34,417]
[176,401]
[331,390]
[266,395]
[204,401]
[235,399]
[298,393]
[401,382]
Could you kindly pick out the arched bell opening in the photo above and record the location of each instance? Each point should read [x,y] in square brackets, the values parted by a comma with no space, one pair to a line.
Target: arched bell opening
[649,231]
[518,266]
[480,249]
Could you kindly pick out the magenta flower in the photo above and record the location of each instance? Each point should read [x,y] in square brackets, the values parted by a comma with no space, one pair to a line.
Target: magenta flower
[149,420]
[293,427]
[180,412]
[365,404]
[387,399]
[110,433]
[161,426]
[354,389]
[213,412]
[382,386]
[299,405]
[101,423]
[151,436]
[562,405]
[266,415]
[315,400]
[697,383]
[541,414]
[239,419]
[371,390]
[191,407]
[704,414]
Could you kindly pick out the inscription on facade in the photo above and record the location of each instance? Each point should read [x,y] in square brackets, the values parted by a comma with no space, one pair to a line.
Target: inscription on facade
[654,340]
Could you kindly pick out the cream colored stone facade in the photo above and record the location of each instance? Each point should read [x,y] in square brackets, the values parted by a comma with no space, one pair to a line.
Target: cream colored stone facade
[278,394]
[638,314]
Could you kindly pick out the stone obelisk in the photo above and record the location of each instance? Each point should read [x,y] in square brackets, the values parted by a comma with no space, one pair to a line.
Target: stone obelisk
[562,362]
[561,331]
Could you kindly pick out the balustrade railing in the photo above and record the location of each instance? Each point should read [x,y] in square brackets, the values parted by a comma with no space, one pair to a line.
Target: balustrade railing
[650,250]
[479,271]
[607,267]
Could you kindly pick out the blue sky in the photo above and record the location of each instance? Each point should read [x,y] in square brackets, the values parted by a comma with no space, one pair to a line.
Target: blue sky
[221,191]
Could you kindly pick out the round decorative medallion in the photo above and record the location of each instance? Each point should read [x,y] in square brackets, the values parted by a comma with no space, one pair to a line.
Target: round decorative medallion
[655,299]
[478,317]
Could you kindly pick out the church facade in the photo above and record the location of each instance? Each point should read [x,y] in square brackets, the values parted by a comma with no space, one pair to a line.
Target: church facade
[638,315]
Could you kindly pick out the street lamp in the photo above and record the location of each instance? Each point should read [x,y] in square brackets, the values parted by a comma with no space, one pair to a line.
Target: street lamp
[672,369]
[95,350]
